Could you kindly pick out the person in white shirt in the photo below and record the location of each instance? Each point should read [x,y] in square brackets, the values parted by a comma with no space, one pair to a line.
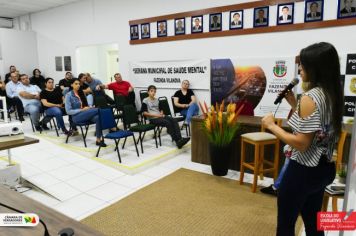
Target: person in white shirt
[30,97]
[12,98]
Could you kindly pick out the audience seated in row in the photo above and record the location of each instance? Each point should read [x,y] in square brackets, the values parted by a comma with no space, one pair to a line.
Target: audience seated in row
[151,109]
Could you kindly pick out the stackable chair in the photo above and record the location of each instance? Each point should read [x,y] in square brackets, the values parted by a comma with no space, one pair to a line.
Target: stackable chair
[132,123]
[107,121]
[259,140]
[175,112]
[84,127]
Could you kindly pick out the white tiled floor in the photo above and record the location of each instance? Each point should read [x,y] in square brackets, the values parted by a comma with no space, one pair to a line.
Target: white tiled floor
[82,186]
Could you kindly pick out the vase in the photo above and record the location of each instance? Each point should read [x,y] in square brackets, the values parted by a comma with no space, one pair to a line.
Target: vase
[219,159]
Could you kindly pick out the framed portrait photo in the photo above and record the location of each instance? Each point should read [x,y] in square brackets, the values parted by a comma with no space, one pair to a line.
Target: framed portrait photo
[346,9]
[314,10]
[236,19]
[145,31]
[179,26]
[134,32]
[162,28]
[260,16]
[197,24]
[285,13]
[215,23]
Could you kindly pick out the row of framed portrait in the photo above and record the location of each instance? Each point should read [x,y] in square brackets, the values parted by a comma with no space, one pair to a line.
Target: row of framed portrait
[314,10]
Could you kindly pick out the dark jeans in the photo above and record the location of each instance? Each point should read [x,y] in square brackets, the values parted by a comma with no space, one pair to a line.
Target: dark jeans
[89,115]
[301,191]
[171,124]
[16,102]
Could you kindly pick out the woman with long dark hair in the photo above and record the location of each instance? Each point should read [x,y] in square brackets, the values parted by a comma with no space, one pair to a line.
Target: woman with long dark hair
[38,79]
[316,125]
[76,105]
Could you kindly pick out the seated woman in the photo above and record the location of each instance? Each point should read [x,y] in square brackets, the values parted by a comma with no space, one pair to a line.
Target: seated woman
[184,100]
[52,101]
[76,105]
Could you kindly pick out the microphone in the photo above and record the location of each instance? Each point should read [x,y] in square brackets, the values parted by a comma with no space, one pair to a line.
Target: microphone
[280,96]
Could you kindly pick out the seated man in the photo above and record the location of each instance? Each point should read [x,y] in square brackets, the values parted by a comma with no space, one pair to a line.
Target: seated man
[12,95]
[65,83]
[52,101]
[94,85]
[86,89]
[30,97]
[120,87]
[151,110]
[184,100]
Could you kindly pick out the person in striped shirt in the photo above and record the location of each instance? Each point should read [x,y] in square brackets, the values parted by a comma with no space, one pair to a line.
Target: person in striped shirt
[316,123]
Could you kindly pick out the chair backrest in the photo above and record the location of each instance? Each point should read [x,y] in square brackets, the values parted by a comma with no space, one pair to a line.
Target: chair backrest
[130,115]
[100,101]
[143,95]
[164,105]
[277,121]
[106,117]
[175,109]
[340,149]
[120,102]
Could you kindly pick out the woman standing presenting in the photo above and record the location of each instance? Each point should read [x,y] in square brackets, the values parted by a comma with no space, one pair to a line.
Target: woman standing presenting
[316,124]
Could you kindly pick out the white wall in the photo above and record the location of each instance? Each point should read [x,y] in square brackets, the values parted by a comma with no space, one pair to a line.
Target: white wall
[18,48]
[61,30]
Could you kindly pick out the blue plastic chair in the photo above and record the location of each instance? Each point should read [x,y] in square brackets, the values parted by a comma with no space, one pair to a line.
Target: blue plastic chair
[107,121]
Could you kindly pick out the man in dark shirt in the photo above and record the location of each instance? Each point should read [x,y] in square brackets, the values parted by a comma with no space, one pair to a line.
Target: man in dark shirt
[52,101]
[65,83]
[86,89]
[184,100]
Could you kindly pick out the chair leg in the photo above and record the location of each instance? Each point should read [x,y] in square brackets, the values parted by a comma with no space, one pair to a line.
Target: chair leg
[133,136]
[83,135]
[123,145]
[141,141]
[334,203]
[256,168]
[97,153]
[67,137]
[117,149]
[242,170]
[261,160]
[155,136]
[55,126]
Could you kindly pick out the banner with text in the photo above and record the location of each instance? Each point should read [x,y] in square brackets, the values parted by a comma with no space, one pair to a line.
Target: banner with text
[170,74]
[254,82]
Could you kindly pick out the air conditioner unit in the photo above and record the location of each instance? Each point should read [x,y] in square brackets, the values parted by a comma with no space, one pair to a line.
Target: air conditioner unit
[6,22]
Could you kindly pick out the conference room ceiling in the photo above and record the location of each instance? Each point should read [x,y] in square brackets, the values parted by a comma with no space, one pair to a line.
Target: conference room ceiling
[14,8]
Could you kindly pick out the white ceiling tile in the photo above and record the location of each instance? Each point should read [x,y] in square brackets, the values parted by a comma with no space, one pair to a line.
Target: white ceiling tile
[14,8]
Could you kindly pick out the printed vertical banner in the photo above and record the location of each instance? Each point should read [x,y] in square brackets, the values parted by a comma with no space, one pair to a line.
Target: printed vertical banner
[350,88]
[170,74]
[254,82]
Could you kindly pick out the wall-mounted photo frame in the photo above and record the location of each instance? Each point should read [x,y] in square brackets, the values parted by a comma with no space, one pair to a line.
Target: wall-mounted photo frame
[179,26]
[162,28]
[134,32]
[236,20]
[59,63]
[215,22]
[197,24]
[314,10]
[346,9]
[145,31]
[285,14]
[260,16]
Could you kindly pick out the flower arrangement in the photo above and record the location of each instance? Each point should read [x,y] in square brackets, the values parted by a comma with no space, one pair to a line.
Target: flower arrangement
[220,126]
